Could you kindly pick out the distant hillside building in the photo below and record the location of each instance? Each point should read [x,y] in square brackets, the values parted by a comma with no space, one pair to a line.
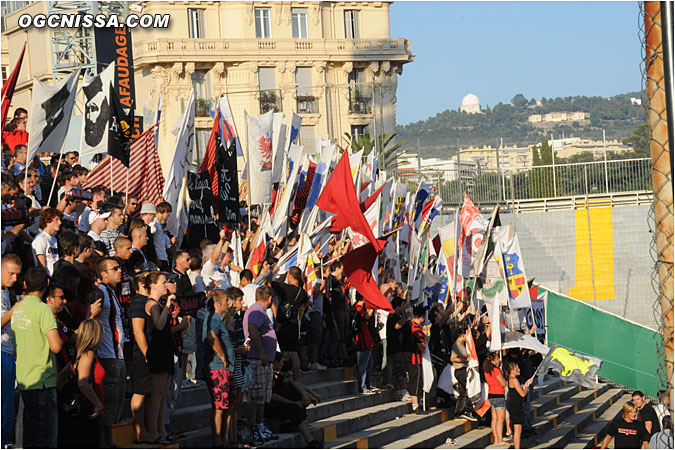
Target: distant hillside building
[470,104]
[558,117]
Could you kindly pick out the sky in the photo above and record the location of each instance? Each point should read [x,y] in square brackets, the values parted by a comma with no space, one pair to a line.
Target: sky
[496,50]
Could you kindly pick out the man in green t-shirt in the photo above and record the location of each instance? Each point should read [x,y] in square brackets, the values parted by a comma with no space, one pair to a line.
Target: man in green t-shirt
[37,342]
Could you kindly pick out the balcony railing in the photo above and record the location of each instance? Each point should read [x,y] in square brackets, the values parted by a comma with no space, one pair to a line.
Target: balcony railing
[306,104]
[270,101]
[167,50]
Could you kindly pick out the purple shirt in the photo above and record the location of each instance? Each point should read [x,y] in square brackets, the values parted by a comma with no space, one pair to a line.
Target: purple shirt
[257,316]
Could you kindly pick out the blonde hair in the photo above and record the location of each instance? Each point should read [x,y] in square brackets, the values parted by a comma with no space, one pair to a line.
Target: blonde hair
[89,336]
[220,296]
[510,367]
[629,407]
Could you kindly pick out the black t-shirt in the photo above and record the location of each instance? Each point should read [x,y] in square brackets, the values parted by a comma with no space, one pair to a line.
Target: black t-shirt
[137,310]
[407,339]
[627,435]
[393,335]
[183,285]
[288,294]
[647,414]
[440,343]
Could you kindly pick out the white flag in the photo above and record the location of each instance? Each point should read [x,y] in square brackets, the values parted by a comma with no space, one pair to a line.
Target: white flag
[96,115]
[51,110]
[516,280]
[259,149]
[182,159]
[278,148]
[280,219]
[228,119]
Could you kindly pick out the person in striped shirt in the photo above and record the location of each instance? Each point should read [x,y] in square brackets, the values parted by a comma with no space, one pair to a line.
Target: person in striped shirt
[416,343]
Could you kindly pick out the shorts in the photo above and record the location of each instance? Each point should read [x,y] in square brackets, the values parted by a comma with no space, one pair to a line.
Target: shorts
[141,380]
[220,386]
[287,337]
[315,327]
[516,414]
[260,388]
[499,402]
[398,368]
[415,376]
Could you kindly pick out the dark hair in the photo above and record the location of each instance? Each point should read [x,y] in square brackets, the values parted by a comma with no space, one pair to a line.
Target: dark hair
[396,302]
[18,111]
[263,293]
[510,367]
[36,279]
[151,278]
[67,243]
[195,258]
[110,208]
[637,393]
[419,310]
[335,265]
[101,266]
[667,423]
[247,275]
[179,253]
[234,292]
[163,207]
[79,170]
[51,289]
[296,273]
[487,364]
[85,242]
[47,215]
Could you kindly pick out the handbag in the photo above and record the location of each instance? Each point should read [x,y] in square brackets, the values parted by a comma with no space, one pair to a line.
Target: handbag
[73,402]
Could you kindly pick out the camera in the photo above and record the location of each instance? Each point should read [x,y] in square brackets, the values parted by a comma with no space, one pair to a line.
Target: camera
[15,216]
[79,194]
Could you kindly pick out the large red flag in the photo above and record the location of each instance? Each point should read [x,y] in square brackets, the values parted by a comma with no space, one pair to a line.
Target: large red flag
[338,223]
[339,197]
[8,87]
[358,265]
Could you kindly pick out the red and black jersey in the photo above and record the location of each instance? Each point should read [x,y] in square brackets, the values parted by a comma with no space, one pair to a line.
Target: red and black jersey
[417,337]
[67,353]
[362,339]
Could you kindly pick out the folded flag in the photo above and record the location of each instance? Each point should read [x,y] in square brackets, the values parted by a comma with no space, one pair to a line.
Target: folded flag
[571,366]
[358,266]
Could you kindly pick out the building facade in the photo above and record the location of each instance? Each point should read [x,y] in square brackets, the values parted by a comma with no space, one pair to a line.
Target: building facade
[333,63]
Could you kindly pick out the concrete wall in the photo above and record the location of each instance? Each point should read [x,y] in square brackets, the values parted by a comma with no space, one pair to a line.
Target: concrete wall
[556,249]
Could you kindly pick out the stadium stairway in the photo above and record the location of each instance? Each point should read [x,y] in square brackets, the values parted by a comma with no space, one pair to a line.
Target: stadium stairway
[565,416]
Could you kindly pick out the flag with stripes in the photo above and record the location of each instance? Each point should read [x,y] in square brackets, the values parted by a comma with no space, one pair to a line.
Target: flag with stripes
[145,171]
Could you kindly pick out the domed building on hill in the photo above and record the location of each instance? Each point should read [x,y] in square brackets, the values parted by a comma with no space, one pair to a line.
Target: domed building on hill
[470,104]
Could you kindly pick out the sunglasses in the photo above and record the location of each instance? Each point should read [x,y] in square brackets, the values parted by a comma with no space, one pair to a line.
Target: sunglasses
[116,268]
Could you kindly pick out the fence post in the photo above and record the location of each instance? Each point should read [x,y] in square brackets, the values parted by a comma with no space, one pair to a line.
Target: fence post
[604,146]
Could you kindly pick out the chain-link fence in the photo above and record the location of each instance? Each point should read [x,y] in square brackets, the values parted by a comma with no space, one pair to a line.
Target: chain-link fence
[654,70]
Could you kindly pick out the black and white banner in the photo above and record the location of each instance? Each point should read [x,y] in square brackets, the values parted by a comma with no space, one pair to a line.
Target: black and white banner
[96,112]
[50,115]
[201,215]
[228,184]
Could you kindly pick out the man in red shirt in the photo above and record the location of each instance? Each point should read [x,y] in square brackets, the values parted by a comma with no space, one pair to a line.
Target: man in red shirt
[363,342]
[417,342]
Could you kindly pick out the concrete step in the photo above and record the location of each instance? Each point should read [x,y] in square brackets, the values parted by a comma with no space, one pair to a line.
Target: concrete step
[377,436]
[335,406]
[561,435]
[592,434]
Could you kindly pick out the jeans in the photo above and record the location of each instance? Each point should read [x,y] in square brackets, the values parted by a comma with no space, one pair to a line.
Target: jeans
[40,418]
[329,341]
[527,411]
[8,387]
[175,388]
[114,383]
[365,369]
[462,404]
[386,364]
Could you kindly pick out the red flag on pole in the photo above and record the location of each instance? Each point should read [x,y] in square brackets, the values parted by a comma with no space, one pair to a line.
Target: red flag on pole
[209,161]
[339,197]
[9,85]
[338,222]
[358,265]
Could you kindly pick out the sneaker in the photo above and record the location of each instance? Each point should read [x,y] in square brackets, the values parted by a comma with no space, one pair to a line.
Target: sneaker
[508,437]
[258,437]
[367,391]
[406,398]
[317,366]
[267,433]
[468,416]
[245,435]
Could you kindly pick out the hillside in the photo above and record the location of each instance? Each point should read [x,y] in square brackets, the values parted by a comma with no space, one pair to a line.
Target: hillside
[509,121]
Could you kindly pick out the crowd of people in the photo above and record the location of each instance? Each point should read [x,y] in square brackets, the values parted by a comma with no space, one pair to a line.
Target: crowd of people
[100,304]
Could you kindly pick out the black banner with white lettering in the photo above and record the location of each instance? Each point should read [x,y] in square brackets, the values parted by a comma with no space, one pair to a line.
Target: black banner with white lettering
[228,184]
[201,216]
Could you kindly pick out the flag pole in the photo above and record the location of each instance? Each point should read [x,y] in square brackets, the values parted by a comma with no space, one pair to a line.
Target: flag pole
[483,249]
[111,176]
[58,166]
[248,176]
[126,196]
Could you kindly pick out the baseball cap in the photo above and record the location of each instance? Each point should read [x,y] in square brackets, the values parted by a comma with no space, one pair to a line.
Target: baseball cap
[95,214]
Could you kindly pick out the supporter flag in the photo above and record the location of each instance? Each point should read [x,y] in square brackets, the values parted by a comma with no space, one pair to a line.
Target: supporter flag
[182,160]
[281,211]
[354,165]
[258,254]
[120,129]
[474,387]
[310,273]
[449,237]
[8,88]
[371,216]
[228,130]
[308,218]
[430,288]
[259,136]
[516,280]
[421,196]
[339,197]
[474,228]
[145,171]
[427,370]
[516,339]
[50,114]
[429,212]
[398,196]
[210,156]
[358,266]
[294,130]
[571,366]
[97,112]
[278,147]
[495,325]
[441,269]
[228,184]
[288,259]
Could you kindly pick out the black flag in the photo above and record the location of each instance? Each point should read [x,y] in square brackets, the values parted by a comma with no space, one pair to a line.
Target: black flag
[228,184]
[119,130]
[201,215]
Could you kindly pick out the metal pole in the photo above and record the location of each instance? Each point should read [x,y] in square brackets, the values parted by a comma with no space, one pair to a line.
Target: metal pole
[499,171]
[419,161]
[604,146]
[590,240]
[667,42]
[459,176]
[555,189]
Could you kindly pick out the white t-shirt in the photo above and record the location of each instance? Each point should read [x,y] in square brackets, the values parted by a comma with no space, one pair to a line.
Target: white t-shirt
[197,281]
[209,273]
[7,344]
[158,240]
[95,236]
[44,244]
[249,294]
